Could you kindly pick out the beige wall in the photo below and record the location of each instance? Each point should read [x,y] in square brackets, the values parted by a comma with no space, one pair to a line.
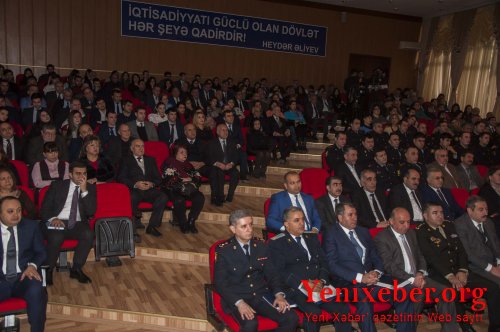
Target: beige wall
[86,34]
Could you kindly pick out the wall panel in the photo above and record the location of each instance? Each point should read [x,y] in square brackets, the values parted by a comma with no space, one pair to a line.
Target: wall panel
[86,34]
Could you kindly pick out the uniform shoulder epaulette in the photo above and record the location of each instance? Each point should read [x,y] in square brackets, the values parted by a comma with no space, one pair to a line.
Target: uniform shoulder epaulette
[223,244]
[257,239]
[278,236]
[420,225]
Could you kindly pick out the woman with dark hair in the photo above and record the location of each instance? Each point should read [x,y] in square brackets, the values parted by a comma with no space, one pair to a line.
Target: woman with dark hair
[5,163]
[181,182]
[43,118]
[50,168]
[297,124]
[134,83]
[69,128]
[8,187]
[259,145]
[182,113]
[125,80]
[99,168]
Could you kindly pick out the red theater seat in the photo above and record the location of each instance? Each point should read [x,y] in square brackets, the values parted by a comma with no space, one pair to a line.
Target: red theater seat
[460,196]
[22,170]
[157,150]
[313,181]
[482,170]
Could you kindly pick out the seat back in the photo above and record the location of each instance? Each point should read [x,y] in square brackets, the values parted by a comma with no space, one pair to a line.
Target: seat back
[461,195]
[482,170]
[313,181]
[211,258]
[41,196]
[323,161]
[113,200]
[157,150]
[22,170]
[374,231]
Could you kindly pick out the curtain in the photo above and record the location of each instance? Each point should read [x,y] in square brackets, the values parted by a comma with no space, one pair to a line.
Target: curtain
[496,31]
[428,31]
[478,85]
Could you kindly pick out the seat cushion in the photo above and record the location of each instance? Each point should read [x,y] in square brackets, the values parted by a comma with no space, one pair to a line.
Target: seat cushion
[12,305]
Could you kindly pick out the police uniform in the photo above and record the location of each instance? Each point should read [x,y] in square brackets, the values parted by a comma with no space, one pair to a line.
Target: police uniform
[387,176]
[239,277]
[296,263]
[445,254]
[365,157]
[394,156]
[334,156]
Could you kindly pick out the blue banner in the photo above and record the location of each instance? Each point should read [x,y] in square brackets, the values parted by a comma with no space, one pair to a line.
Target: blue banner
[197,26]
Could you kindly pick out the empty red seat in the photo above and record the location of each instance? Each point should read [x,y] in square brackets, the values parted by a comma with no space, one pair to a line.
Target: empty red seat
[482,170]
[22,170]
[460,195]
[12,306]
[157,150]
[313,181]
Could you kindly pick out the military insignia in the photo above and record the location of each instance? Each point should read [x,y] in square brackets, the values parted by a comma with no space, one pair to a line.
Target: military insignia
[419,226]
[279,236]
[255,245]
[223,244]
[435,240]
[215,257]
[453,236]
[262,258]
[234,247]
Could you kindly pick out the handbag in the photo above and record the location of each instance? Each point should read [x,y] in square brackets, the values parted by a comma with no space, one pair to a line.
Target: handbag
[187,189]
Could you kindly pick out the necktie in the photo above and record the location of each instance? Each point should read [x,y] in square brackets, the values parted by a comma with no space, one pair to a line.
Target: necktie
[481,231]
[11,267]
[116,108]
[141,165]
[297,204]
[224,150]
[74,209]
[297,238]
[247,251]
[111,132]
[416,199]
[172,132]
[378,213]
[141,124]
[9,149]
[336,202]
[358,248]
[441,197]
[230,128]
[411,259]
[191,141]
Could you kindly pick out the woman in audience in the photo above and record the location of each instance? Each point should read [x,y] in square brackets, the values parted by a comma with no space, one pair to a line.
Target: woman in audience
[158,116]
[189,109]
[181,182]
[259,145]
[99,168]
[50,168]
[5,163]
[168,87]
[182,112]
[393,125]
[69,128]
[297,125]
[150,84]
[43,117]
[377,116]
[213,110]
[8,187]
[203,131]
[125,80]
[134,85]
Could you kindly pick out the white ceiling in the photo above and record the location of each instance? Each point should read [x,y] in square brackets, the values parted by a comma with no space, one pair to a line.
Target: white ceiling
[418,8]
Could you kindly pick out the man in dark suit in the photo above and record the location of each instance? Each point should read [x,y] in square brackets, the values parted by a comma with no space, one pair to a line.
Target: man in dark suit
[351,256]
[118,148]
[98,114]
[34,152]
[30,115]
[371,204]
[62,107]
[23,253]
[222,158]
[366,153]
[327,203]
[398,248]
[298,257]
[450,175]
[128,114]
[478,236]
[277,128]
[433,192]
[314,116]
[108,129]
[491,193]
[66,208]
[335,152]
[467,172]
[13,146]
[236,135]
[349,171]
[411,161]
[154,97]
[115,104]
[140,174]
[406,195]
[195,149]
[53,96]
[292,196]
[170,130]
[243,275]
[141,128]
[206,93]
[386,173]
[448,264]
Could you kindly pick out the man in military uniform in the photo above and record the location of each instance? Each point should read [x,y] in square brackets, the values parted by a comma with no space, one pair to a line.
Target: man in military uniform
[411,161]
[335,152]
[448,264]
[366,153]
[387,176]
[424,152]
[244,276]
[395,154]
[298,257]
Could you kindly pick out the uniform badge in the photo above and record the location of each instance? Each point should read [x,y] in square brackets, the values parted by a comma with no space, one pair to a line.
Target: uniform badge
[435,240]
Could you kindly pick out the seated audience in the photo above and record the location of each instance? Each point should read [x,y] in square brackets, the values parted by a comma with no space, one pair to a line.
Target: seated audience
[490,191]
[140,174]
[108,128]
[195,148]
[435,192]
[99,167]
[292,196]
[297,124]
[181,182]
[203,131]
[127,114]
[351,255]
[447,262]
[278,130]
[43,118]
[222,158]
[66,209]
[12,146]
[327,203]
[236,135]
[398,248]
[297,256]
[5,163]
[75,144]
[118,147]
[335,152]
[387,175]
[171,130]
[50,168]
[159,115]
[35,148]
[141,128]
[21,274]
[371,204]
[260,146]
[407,195]
[233,273]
